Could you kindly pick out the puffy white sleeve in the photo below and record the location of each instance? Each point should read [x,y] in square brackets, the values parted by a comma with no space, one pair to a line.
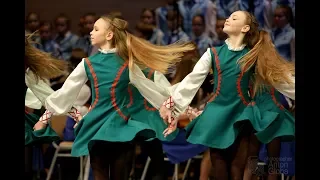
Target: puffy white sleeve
[62,100]
[160,90]
[187,89]
[287,89]
[40,88]
[31,100]
[154,93]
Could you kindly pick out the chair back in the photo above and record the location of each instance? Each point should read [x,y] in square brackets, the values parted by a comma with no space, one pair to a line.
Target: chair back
[58,124]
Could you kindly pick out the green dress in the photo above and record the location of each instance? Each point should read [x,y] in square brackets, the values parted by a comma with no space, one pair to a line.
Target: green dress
[45,135]
[108,118]
[141,110]
[269,101]
[218,126]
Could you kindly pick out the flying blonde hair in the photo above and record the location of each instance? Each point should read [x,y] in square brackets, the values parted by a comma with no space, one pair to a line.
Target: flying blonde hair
[42,64]
[270,67]
[142,52]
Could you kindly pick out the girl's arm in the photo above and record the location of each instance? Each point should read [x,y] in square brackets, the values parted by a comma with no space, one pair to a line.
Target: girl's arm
[31,101]
[37,92]
[159,91]
[183,94]
[61,101]
[39,88]
[287,89]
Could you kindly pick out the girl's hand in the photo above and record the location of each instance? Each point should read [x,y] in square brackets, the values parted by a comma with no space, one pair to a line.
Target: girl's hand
[39,125]
[166,110]
[165,114]
[172,127]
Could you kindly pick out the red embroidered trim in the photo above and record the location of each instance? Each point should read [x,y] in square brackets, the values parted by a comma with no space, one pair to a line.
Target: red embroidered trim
[113,91]
[130,97]
[95,82]
[272,92]
[217,62]
[169,103]
[244,101]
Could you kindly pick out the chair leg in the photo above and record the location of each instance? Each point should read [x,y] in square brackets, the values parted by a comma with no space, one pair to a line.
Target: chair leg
[176,172]
[53,163]
[144,173]
[81,168]
[186,169]
[87,169]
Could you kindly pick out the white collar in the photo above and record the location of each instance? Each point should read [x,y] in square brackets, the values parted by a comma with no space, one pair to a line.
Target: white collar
[107,51]
[232,48]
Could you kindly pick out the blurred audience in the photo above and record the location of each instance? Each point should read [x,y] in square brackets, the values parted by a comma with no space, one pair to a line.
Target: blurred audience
[47,43]
[64,37]
[148,17]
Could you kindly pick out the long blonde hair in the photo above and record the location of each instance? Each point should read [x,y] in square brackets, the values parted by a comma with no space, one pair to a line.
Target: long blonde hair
[270,67]
[142,52]
[42,64]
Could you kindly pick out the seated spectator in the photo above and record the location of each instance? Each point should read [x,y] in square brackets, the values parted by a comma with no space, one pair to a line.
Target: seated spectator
[175,33]
[283,34]
[190,8]
[144,31]
[148,17]
[65,38]
[84,41]
[202,40]
[47,44]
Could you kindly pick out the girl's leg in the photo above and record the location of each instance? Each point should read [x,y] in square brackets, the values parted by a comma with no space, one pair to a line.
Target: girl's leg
[219,164]
[252,160]
[28,173]
[121,160]
[205,166]
[239,156]
[230,163]
[154,150]
[100,160]
[274,155]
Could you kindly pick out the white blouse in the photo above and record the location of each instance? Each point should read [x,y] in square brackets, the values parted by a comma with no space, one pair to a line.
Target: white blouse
[185,91]
[37,91]
[61,101]
[155,92]
[31,100]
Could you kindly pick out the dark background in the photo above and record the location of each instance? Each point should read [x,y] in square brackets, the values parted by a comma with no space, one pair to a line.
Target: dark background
[74,9]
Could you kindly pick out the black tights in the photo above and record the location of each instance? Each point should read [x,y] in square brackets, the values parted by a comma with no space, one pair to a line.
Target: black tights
[154,150]
[273,162]
[116,157]
[28,173]
[230,163]
[273,150]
